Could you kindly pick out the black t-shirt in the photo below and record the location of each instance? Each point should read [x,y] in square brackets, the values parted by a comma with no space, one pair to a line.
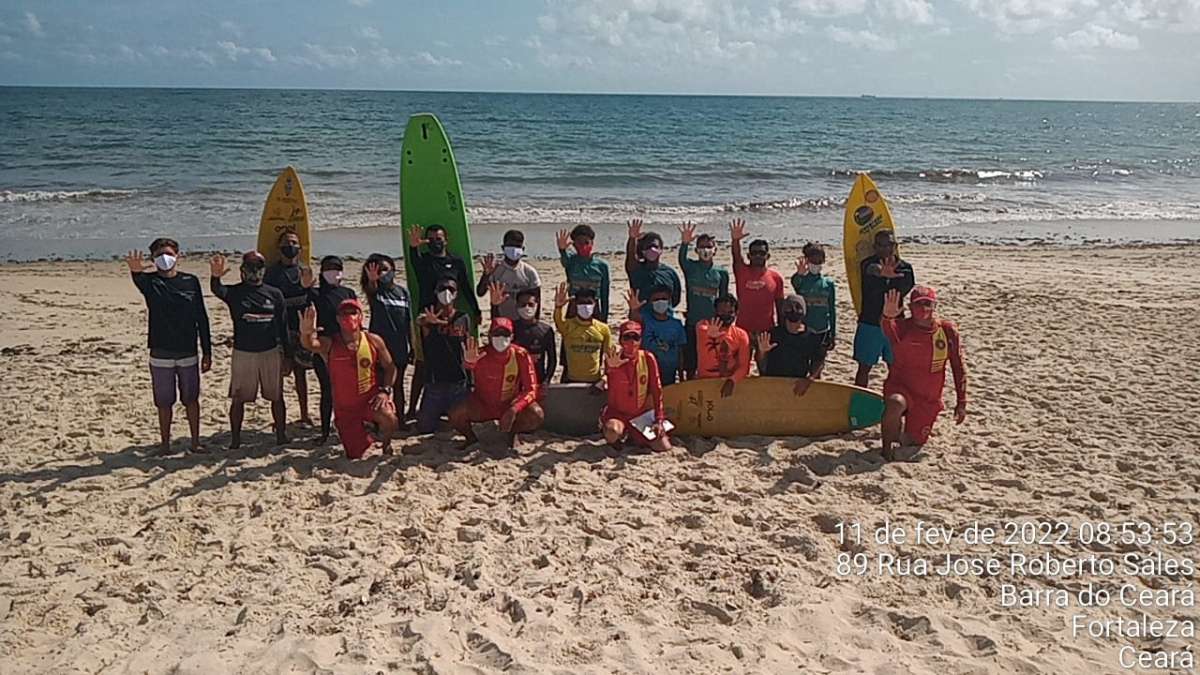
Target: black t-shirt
[537,338]
[259,324]
[391,316]
[443,347]
[797,354]
[326,298]
[177,314]
[874,287]
[430,268]
[287,279]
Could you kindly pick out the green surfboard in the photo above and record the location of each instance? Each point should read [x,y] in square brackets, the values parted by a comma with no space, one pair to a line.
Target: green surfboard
[430,193]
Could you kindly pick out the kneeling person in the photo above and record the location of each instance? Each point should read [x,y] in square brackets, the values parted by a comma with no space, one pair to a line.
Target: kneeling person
[634,388]
[506,387]
[361,374]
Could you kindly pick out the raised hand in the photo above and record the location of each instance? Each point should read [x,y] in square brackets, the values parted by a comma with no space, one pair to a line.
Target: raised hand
[615,358]
[635,301]
[561,297]
[635,229]
[687,233]
[373,273]
[135,261]
[308,278]
[714,328]
[431,318]
[498,292]
[308,320]
[218,266]
[891,304]
[764,343]
[737,229]
[471,353]
[416,236]
[489,264]
[887,269]
[564,240]
[802,266]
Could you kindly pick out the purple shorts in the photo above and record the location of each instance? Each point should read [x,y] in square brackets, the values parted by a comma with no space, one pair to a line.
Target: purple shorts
[169,374]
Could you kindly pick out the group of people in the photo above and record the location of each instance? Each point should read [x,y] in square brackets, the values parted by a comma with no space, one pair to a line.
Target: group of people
[288,320]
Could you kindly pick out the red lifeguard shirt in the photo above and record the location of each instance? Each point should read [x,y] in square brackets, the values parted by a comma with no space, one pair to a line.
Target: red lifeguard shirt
[921,354]
[635,387]
[353,374]
[506,379]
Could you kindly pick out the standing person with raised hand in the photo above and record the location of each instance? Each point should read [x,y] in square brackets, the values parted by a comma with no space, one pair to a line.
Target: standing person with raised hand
[178,318]
[760,289]
[882,272]
[643,264]
[513,272]
[662,333]
[444,333]
[391,316]
[529,331]
[363,375]
[429,267]
[261,353]
[820,296]
[585,338]
[327,297]
[505,391]
[634,388]
[706,282]
[584,269]
[294,281]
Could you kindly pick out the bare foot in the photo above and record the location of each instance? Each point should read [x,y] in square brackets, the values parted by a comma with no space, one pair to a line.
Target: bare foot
[306,420]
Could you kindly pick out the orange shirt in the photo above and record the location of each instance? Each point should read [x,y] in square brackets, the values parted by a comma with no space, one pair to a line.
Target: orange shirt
[727,355]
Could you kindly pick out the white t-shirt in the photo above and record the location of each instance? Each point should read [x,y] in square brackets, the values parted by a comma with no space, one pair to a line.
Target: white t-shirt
[516,278]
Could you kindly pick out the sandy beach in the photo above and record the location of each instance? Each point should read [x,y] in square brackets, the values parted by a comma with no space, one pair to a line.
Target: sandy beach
[719,556]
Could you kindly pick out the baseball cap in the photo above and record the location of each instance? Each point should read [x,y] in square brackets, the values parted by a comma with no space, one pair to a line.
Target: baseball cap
[348,304]
[922,294]
[502,323]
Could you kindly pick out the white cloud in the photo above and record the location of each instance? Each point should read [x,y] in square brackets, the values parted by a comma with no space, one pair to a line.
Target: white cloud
[129,54]
[829,8]
[234,52]
[547,24]
[918,12]
[495,41]
[1175,15]
[1093,36]
[864,39]
[33,25]
[388,59]
[427,59]
[1027,16]
[369,33]
[231,28]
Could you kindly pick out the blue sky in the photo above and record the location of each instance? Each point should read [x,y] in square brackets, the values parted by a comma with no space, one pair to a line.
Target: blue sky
[1078,49]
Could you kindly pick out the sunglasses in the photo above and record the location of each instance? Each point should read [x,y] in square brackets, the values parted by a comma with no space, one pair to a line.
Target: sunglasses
[630,337]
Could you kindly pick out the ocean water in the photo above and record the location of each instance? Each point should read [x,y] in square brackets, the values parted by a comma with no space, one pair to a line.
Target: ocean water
[88,172]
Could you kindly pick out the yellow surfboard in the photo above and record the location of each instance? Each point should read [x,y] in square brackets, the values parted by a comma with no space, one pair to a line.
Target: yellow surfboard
[867,213]
[286,210]
[768,406]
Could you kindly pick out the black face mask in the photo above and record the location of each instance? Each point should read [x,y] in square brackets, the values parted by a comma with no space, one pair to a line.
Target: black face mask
[725,319]
[289,250]
[437,246]
[794,317]
[388,278]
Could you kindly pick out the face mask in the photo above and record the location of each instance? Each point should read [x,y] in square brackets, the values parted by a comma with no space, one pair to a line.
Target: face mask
[814,268]
[706,253]
[350,323]
[513,253]
[794,317]
[921,310]
[652,254]
[165,262]
[436,247]
[584,250]
[726,320]
[253,275]
[585,311]
[446,296]
[527,313]
[501,342]
[661,306]
[289,250]
[388,278]
[332,277]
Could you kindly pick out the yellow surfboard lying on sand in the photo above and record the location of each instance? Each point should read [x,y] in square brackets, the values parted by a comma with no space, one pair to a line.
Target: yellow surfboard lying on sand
[768,406]
[867,213]
[286,210]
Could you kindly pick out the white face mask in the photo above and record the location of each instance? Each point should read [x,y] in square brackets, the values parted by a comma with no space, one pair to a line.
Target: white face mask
[165,262]
[661,306]
[513,253]
[706,253]
[585,311]
[332,277]
[527,313]
[814,269]
[446,297]
[500,343]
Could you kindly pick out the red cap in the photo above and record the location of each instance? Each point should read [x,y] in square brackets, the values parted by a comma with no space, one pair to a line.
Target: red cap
[630,327]
[349,303]
[501,322]
[922,294]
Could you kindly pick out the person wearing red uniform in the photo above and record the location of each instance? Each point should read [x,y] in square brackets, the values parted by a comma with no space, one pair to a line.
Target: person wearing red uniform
[922,345]
[361,375]
[634,388]
[760,289]
[506,387]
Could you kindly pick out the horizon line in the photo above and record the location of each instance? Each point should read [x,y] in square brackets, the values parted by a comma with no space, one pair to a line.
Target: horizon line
[865,95]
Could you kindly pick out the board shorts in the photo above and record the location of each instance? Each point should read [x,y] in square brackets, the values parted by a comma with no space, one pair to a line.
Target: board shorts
[302,359]
[631,434]
[919,416]
[351,422]
[870,345]
[436,400]
[252,372]
[167,375]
